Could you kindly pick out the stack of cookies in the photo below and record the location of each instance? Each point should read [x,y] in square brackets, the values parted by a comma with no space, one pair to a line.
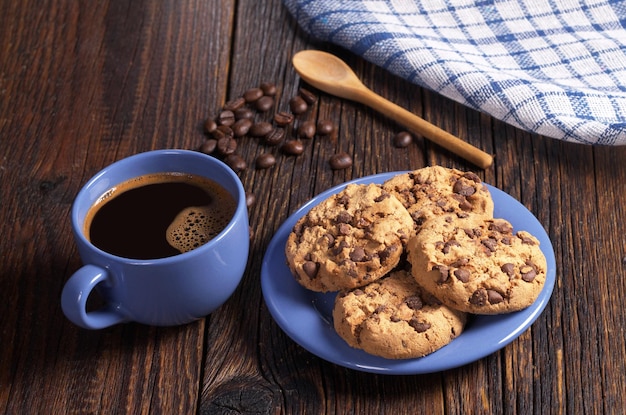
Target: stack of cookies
[411,258]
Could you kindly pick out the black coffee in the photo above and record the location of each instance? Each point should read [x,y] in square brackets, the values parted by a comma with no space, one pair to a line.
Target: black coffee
[159,215]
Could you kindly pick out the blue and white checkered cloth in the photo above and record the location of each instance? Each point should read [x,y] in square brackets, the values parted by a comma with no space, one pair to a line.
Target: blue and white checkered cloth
[552,67]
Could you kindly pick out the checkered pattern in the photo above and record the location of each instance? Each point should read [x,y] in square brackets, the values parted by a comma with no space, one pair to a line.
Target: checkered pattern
[552,67]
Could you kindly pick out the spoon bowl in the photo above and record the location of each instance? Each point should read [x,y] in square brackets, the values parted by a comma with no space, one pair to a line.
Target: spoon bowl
[330,74]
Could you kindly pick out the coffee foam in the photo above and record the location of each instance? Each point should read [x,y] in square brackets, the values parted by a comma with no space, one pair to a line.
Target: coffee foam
[196,225]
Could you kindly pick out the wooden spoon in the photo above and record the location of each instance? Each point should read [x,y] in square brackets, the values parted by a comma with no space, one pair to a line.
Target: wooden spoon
[330,74]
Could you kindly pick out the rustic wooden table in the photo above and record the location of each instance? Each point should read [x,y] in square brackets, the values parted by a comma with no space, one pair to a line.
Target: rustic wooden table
[83,84]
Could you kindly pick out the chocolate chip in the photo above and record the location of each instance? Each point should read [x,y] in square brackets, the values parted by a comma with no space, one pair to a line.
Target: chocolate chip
[414,302]
[447,245]
[310,268]
[444,273]
[490,243]
[472,176]
[528,272]
[479,297]
[344,229]
[462,275]
[526,239]
[344,217]
[508,269]
[500,226]
[358,254]
[494,297]
[382,197]
[419,326]
[386,253]
[463,189]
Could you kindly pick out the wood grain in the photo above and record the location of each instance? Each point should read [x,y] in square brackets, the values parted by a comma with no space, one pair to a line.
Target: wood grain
[85,83]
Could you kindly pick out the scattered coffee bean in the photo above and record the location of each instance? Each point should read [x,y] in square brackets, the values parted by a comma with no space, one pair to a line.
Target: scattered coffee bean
[298,105]
[241,127]
[210,125]
[283,118]
[265,160]
[250,199]
[402,139]
[308,96]
[325,127]
[306,129]
[293,147]
[274,137]
[268,89]
[209,146]
[264,104]
[234,104]
[226,145]
[225,130]
[260,129]
[236,162]
[226,117]
[253,94]
[244,112]
[340,161]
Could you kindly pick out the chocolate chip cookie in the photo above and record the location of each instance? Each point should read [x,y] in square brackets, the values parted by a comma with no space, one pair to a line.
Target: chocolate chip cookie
[395,318]
[433,191]
[478,265]
[349,240]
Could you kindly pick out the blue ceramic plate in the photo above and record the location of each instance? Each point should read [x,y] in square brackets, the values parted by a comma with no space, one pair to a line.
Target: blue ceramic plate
[306,316]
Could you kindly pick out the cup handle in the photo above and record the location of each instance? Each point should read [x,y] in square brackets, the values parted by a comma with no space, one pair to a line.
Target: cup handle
[74,300]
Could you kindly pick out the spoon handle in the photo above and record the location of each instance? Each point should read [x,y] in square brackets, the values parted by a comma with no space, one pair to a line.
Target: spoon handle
[427,130]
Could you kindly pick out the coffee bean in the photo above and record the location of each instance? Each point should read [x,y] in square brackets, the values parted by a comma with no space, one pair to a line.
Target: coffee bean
[340,161]
[306,129]
[234,104]
[210,125]
[226,145]
[209,146]
[325,127]
[236,162]
[293,147]
[274,137]
[226,117]
[225,130]
[253,94]
[402,139]
[283,118]
[250,199]
[241,127]
[308,96]
[265,160]
[297,105]
[264,104]
[268,89]
[244,112]
[260,129]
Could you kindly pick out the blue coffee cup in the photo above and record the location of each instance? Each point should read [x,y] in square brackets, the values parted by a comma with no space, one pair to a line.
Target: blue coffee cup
[166,291]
